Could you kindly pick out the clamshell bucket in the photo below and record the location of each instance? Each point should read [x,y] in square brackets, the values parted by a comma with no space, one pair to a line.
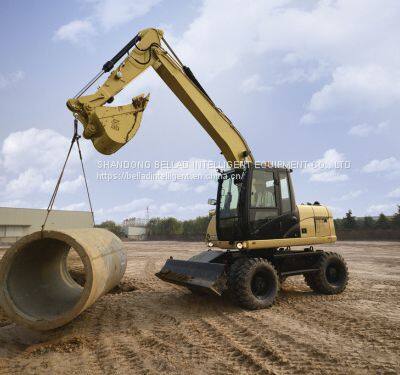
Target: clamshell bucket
[202,272]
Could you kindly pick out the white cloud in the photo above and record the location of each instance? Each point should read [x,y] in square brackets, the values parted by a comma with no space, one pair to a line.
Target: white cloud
[74,206]
[31,160]
[390,164]
[306,43]
[328,176]
[20,203]
[325,32]
[42,149]
[308,119]
[36,148]
[371,86]
[113,13]
[132,205]
[77,31]
[376,209]
[286,31]
[70,186]
[253,84]
[364,130]
[32,181]
[328,168]
[9,79]
[394,193]
[209,186]
[302,69]
[351,195]
[26,183]
[103,14]
[136,205]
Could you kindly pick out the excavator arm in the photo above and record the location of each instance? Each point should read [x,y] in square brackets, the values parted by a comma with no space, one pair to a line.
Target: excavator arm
[110,128]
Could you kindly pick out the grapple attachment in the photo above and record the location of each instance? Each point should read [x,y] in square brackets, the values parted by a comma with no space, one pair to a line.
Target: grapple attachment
[202,272]
[110,128]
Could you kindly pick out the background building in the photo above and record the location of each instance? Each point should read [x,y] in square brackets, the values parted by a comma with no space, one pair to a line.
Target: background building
[135,228]
[18,222]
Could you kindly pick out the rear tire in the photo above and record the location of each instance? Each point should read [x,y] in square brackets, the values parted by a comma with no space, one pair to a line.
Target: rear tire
[332,275]
[253,283]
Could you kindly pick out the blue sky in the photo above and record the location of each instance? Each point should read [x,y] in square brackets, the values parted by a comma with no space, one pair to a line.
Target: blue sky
[301,80]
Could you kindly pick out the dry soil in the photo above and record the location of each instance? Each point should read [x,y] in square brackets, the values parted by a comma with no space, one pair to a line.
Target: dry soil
[146,326]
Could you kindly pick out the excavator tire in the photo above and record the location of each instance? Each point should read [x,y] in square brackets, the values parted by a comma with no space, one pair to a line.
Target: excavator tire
[332,275]
[253,283]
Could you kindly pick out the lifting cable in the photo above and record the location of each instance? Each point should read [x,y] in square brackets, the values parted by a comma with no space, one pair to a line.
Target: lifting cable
[75,139]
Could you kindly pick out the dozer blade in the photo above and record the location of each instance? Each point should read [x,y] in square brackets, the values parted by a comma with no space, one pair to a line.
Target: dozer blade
[209,277]
[110,128]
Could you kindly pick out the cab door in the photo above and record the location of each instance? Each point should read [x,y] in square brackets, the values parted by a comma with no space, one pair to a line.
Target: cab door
[263,208]
[289,216]
[271,207]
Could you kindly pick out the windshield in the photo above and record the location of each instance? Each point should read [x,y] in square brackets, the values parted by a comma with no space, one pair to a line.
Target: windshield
[228,206]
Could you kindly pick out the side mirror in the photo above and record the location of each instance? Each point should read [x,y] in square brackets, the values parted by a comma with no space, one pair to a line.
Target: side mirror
[212,201]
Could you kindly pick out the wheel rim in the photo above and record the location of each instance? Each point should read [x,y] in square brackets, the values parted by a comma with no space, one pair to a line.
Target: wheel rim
[262,284]
[335,273]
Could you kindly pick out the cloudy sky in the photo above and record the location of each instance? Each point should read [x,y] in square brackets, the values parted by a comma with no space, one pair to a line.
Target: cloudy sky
[301,80]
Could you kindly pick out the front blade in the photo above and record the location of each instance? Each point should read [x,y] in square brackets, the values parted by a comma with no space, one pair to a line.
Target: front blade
[206,276]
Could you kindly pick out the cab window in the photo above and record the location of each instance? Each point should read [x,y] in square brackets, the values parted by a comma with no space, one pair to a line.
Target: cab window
[263,190]
[229,198]
[285,192]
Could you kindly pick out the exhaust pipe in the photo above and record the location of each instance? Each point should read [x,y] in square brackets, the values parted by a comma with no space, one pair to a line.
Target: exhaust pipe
[36,289]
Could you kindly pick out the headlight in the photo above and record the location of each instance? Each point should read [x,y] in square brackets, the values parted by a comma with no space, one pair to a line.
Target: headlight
[210,244]
[239,245]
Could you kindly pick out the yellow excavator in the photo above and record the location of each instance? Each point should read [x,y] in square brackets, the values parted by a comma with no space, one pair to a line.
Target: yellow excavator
[256,220]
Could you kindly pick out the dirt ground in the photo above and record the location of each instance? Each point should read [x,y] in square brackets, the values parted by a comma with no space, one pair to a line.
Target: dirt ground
[150,327]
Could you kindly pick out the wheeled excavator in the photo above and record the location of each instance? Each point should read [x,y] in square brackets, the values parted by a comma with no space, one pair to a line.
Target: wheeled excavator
[256,221]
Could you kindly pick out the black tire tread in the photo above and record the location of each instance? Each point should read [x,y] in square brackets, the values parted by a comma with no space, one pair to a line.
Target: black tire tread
[237,282]
[317,280]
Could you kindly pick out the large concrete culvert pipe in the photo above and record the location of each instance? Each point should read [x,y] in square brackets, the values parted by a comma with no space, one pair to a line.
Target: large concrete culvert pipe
[36,289]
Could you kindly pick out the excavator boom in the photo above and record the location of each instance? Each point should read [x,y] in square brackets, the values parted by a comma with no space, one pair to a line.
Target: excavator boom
[110,128]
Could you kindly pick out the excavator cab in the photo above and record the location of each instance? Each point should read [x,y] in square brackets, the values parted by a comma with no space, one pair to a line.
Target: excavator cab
[253,204]
[256,203]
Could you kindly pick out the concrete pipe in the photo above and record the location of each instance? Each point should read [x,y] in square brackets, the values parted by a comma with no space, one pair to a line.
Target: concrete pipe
[36,288]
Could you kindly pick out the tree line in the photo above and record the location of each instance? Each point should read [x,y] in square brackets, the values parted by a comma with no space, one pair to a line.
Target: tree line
[171,228]
[350,222]
[166,228]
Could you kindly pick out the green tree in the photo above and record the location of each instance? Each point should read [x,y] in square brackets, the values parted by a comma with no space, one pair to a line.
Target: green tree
[176,229]
[382,222]
[395,222]
[164,227]
[112,227]
[172,226]
[338,223]
[195,228]
[368,222]
[349,221]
